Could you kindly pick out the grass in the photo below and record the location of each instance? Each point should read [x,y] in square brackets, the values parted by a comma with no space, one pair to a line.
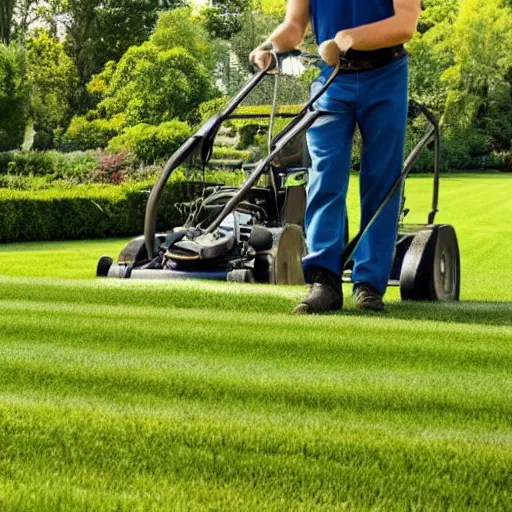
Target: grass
[121,395]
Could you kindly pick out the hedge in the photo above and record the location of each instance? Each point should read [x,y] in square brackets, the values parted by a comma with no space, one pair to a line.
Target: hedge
[93,211]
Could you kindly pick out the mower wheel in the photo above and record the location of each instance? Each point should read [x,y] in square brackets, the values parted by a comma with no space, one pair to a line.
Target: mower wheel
[240,276]
[431,266]
[104,264]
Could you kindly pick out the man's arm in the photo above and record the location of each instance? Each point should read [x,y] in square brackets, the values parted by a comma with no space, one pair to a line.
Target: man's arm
[393,31]
[288,35]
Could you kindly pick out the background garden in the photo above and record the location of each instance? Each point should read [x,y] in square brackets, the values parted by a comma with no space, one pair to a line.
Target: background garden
[94,96]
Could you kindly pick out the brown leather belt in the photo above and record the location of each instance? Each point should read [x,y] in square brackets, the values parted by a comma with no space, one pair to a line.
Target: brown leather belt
[355,61]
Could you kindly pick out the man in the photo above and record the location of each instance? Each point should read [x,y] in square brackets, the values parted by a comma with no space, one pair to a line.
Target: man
[371,91]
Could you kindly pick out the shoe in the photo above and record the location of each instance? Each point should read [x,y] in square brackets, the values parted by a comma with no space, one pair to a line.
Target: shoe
[324,295]
[366,298]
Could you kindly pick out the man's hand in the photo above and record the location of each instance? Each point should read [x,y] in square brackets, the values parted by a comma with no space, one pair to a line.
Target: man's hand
[330,52]
[287,36]
[261,56]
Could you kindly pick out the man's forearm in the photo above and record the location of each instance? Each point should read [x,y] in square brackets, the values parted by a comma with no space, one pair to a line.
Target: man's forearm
[383,34]
[287,36]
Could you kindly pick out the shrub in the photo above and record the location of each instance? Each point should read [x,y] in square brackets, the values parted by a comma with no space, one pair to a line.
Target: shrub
[112,168]
[151,143]
[230,153]
[48,163]
[29,163]
[210,108]
[84,134]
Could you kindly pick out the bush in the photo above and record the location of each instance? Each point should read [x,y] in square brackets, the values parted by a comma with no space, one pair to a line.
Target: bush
[503,161]
[231,154]
[93,211]
[464,150]
[48,163]
[151,143]
[210,108]
[84,134]
[29,163]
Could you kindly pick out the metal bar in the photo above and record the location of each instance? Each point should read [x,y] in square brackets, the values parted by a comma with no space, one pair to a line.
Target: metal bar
[437,171]
[230,206]
[351,248]
[156,193]
[208,130]
[259,116]
[308,105]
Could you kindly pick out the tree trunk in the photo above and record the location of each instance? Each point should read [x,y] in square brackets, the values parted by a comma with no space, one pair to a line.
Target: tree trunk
[6,18]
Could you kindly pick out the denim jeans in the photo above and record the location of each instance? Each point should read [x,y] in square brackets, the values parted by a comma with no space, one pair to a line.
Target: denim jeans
[377,102]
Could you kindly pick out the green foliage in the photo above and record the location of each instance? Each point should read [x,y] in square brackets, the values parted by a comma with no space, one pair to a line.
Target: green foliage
[151,143]
[48,163]
[53,77]
[223,18]
[85,211]
[276,8]
[230,153]
[100,31]
[256,27]
[15,92]
[93,211]
[165,78]
[83,134]
[180,28]
[212,107]
[481,39]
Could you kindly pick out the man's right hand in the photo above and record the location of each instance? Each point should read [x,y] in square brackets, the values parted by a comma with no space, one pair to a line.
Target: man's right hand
[330,52]
[261,56]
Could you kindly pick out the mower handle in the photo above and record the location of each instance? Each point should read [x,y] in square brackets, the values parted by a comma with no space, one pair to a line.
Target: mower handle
[202,142]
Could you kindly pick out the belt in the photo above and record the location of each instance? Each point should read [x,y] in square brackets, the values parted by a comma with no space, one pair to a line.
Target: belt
[355,61]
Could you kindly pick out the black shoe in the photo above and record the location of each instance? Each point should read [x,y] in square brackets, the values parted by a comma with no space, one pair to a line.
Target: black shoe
[324,295]
[366,298]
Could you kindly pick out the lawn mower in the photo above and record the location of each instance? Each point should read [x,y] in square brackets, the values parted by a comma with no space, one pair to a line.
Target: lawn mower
[254,233]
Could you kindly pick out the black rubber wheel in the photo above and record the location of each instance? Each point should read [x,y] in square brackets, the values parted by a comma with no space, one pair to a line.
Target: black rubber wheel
[431,266]
[104,264]
[240,276]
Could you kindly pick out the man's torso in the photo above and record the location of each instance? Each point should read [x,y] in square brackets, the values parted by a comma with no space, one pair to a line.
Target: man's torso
[328,17]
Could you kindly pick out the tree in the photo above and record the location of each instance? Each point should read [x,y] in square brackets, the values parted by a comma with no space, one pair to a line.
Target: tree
[223,18]
[165,78]
[98,31]
[53,77]
[478,80]
[14,96]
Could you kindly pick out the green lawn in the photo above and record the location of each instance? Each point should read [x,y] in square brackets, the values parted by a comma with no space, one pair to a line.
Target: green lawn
[118,395]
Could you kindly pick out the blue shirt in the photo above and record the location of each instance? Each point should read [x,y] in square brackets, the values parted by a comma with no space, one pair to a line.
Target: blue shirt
[328,17]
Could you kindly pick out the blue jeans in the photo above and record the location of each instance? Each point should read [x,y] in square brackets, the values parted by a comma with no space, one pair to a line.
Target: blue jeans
[376,101]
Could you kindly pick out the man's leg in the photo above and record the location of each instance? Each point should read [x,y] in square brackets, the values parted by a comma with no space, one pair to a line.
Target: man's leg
[329,142]
[382,118]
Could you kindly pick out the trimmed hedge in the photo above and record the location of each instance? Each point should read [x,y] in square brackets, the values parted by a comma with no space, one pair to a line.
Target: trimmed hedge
[93,211]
